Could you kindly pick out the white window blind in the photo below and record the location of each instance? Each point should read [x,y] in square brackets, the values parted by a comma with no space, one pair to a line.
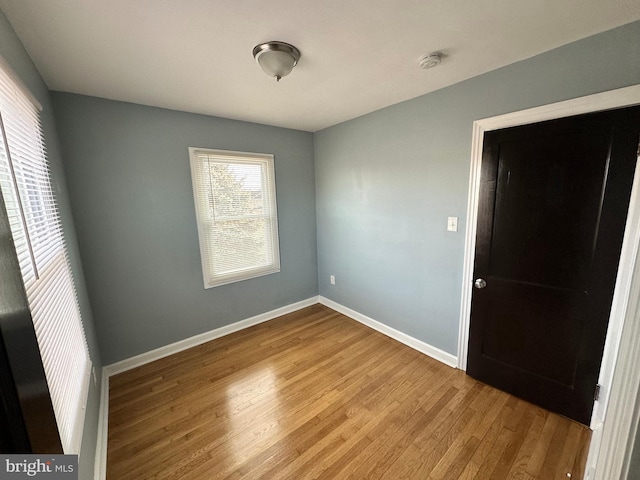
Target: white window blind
[235,199]
[39,241]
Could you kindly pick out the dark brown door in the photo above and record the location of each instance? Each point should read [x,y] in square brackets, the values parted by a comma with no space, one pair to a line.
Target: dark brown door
[553,204]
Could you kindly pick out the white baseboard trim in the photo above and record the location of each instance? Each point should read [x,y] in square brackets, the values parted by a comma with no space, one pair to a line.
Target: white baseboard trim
[594,447]
[401,337]
[100,462]
[158,353]
[100,467]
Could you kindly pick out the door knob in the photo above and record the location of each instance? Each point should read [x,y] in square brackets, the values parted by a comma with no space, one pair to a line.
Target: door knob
[480,283]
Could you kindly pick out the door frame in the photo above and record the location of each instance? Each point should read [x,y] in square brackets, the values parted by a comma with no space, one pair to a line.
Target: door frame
[610,439]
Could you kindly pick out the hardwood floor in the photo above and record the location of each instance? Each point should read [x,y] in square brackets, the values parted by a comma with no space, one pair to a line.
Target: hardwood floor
[314,394]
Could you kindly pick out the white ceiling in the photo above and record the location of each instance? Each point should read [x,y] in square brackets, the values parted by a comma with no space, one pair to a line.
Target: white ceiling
[357,55]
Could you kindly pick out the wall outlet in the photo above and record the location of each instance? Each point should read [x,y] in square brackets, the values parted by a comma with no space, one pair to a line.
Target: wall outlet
[332,279]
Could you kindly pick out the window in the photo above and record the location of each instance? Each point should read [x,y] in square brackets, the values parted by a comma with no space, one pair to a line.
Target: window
[37,234]
[235,199]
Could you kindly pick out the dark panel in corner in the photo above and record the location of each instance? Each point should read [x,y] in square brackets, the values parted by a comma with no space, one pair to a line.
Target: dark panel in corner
[26,405]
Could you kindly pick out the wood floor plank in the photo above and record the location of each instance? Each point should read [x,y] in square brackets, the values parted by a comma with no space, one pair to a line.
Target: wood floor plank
[519,467]
[553,457]
[582,452]
[542,446]
[451,464]
[378,428]
[513,447]
[314,394]
[352,432]
[569,453]
[323,421]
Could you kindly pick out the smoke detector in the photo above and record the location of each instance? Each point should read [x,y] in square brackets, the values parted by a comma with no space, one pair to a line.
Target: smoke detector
[430,60]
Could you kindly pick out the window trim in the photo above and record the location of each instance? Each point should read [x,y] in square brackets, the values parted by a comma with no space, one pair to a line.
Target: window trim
[208,274]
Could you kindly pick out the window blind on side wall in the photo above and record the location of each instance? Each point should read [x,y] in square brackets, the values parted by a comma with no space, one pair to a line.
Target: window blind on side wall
[44,263]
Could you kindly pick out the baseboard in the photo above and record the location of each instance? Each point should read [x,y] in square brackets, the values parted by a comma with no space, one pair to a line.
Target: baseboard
[401,337]
[158,353]
[100,463]
[594,448]
[100,467]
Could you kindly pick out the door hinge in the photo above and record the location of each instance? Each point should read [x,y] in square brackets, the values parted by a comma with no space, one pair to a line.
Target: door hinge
[596,395]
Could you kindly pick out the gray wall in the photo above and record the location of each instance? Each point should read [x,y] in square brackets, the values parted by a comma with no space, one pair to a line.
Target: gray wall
[130,185]
[14,54]
[387,181]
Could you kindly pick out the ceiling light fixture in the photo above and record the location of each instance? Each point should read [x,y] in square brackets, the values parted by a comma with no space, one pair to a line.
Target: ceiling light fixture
[430,60]
[276,59]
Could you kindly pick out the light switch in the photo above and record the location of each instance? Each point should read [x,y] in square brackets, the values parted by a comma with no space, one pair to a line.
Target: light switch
[452,224]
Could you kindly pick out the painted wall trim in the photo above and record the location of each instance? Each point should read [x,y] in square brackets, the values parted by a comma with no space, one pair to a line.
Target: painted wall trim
[607,449]
[100,468]
[158,353]
[401,337]
[100,462]
[609,457]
